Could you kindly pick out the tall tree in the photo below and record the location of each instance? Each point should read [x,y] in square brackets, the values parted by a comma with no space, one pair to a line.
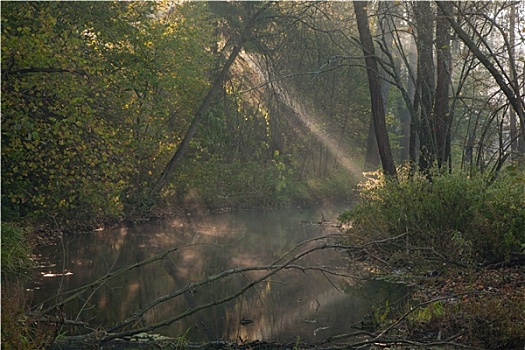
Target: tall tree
[442,115]
[517,148]
[425,81]
[245,35]
[378,108]
[385,28]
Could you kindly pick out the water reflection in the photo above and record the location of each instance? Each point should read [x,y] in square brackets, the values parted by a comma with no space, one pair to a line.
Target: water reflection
[290,304]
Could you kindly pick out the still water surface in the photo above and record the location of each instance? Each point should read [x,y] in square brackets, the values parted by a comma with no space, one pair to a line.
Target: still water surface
[289,305]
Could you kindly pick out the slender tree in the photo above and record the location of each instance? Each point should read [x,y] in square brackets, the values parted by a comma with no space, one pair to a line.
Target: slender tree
[378,108]
[442,115]
[384,26]
[425,81]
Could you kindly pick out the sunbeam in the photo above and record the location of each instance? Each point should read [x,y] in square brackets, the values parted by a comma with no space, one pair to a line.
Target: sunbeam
[307,115]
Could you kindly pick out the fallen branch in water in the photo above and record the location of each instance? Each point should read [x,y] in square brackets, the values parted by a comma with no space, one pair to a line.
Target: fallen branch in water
[75,293]
[287,261]
[272,270]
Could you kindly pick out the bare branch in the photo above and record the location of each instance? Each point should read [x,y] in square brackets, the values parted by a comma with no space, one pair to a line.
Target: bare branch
[97,283]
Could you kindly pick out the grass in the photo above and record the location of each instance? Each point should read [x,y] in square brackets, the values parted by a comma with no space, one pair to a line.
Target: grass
[15,250]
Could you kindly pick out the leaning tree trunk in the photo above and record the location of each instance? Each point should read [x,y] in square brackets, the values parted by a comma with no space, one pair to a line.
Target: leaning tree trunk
[378,109]
[183,147]
[217,83]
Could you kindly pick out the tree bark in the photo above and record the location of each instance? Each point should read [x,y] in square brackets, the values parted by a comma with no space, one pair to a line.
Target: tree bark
[378,110]
[372,158]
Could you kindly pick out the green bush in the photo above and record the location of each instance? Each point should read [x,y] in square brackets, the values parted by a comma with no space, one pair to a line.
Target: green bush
[447,214]
[498,226]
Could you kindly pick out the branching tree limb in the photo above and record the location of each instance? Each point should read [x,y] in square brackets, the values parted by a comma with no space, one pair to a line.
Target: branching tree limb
[271,269]
[513,97]
[288,261]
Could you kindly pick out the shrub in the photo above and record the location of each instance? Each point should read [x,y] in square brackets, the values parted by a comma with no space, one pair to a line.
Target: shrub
[451,215]
[487,321]
[498,226]
[22,329]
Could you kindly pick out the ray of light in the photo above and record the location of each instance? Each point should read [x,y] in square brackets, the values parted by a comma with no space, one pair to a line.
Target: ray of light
[306,115]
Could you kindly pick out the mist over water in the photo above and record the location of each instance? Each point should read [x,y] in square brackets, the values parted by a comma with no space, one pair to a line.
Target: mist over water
[290,304]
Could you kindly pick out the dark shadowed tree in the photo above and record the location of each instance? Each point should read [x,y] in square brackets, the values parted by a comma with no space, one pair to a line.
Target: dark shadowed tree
[378,108]
[442,115]
[425,80]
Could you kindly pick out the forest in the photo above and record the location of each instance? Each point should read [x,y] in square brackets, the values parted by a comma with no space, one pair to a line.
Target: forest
[411,112]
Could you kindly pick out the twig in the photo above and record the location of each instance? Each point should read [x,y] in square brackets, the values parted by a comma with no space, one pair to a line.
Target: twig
[405,315]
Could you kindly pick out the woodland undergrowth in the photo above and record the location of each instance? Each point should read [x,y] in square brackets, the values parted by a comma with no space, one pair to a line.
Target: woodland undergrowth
[461,241]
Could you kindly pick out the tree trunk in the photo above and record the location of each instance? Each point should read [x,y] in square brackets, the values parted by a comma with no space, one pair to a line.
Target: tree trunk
[425,77]
[372,159]
[405,111]
[183,147]
[217,83]
[442,115]
[378,110]
[516,152]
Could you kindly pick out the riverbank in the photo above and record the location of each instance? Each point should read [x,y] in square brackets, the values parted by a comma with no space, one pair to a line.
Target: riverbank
[481,308]
[460,240]
[457,303]
[477,307]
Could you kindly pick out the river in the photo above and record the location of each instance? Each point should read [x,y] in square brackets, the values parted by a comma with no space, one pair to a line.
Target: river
[291,305]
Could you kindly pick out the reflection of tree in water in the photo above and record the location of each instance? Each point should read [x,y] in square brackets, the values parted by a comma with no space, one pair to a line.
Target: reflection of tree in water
[291,303]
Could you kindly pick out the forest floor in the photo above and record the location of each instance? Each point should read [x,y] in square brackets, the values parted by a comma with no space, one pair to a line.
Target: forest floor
[481,308]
